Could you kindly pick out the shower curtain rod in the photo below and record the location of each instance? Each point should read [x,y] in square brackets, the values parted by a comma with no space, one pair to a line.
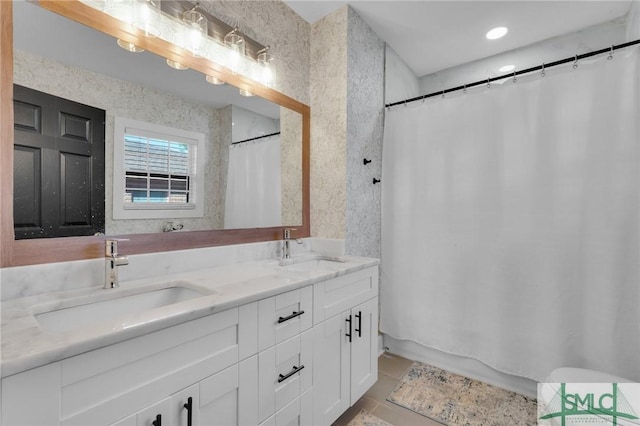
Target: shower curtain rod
[516,73]
[257,137]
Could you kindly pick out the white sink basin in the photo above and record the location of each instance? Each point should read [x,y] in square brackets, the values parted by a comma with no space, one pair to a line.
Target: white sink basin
[86,313]
[315,265]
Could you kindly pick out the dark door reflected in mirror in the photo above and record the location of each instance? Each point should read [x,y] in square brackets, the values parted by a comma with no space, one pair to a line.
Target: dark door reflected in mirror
[58,166]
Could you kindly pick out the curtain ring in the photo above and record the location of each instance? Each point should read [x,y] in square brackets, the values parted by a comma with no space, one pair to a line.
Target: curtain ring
[464,89]
[514,77]
[610,57]
[575,63]
[443,94]
[405,103]
[488,84]
[542,73]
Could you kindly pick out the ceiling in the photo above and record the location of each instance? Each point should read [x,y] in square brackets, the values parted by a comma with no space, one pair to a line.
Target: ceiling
[431,36]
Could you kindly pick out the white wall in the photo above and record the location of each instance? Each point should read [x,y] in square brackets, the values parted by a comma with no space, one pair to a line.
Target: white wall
[400,82]
[579,42]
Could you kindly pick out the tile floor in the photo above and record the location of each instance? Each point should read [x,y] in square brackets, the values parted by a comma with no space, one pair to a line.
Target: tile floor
[391,368]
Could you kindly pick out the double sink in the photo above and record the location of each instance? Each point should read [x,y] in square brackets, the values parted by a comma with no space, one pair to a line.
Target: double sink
[112,306]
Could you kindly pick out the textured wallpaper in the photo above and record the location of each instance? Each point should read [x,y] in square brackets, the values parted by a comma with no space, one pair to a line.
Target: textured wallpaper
[329,125]
[347,117]
[365,124]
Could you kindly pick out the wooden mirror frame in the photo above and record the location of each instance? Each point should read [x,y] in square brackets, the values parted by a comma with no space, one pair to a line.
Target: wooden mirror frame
[48,250]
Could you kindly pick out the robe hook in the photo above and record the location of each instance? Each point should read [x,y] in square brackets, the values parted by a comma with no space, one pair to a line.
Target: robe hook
[365,161]
[375,181]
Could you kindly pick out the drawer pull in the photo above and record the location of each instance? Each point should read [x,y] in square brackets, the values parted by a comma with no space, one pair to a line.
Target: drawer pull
[292,316]
[189,407]
[157,421]
[359,329]
[349,333]
[284,377]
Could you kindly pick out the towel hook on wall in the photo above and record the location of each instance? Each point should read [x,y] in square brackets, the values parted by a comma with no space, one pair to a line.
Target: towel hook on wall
[365,161]
[375,181]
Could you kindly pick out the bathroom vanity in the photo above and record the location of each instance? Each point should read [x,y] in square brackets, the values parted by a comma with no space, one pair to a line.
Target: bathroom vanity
[255,343]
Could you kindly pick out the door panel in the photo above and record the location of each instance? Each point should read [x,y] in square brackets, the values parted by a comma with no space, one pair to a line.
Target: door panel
[59,172]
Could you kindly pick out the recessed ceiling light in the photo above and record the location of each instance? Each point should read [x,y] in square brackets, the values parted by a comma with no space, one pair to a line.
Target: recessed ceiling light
[507,68]
[497,32]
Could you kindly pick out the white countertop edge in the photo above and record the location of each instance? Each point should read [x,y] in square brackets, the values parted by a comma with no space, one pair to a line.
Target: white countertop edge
[25,345]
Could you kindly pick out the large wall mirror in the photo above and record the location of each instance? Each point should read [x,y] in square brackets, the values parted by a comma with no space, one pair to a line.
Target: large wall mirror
[267,134]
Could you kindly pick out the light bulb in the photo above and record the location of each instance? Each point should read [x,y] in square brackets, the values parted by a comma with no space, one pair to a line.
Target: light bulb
[265,59]
[214,80]
[176,65]
[235,42]
[246,93]
[147,17]
[129,47]
[196,30]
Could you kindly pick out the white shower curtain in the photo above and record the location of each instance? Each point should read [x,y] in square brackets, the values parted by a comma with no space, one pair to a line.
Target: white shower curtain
[511,221]
[253,185]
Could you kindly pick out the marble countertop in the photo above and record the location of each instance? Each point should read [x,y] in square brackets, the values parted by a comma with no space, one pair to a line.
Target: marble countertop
[26,345]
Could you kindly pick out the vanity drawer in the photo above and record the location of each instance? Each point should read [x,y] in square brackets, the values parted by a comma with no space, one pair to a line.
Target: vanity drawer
[283,316]
[284,373]
[296,413]
[126,376]
[337,295]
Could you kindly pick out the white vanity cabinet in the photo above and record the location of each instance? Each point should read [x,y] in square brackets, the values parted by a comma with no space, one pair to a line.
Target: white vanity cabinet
[145,377]
[301,357]
[345,342]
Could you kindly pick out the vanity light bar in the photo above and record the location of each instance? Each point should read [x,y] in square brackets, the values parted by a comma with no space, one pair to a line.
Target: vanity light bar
[216,28]
[171,30]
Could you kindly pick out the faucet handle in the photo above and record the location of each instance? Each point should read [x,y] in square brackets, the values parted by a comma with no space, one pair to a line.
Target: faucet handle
[111,246]
[287,233]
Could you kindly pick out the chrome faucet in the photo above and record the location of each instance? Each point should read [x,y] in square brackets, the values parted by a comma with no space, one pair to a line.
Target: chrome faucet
[286,250]
[112,261]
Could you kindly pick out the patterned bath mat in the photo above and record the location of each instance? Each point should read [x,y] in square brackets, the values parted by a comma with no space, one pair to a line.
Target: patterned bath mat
[457,400]
[365,418]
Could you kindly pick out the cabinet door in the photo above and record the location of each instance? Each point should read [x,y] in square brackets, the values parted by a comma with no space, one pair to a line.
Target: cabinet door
[156,415]
[230,397]
[364,359]
[32,398]
[331,357]
[127,421]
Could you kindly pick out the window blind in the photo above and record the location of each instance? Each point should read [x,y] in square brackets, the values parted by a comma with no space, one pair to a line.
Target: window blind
[157,170]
